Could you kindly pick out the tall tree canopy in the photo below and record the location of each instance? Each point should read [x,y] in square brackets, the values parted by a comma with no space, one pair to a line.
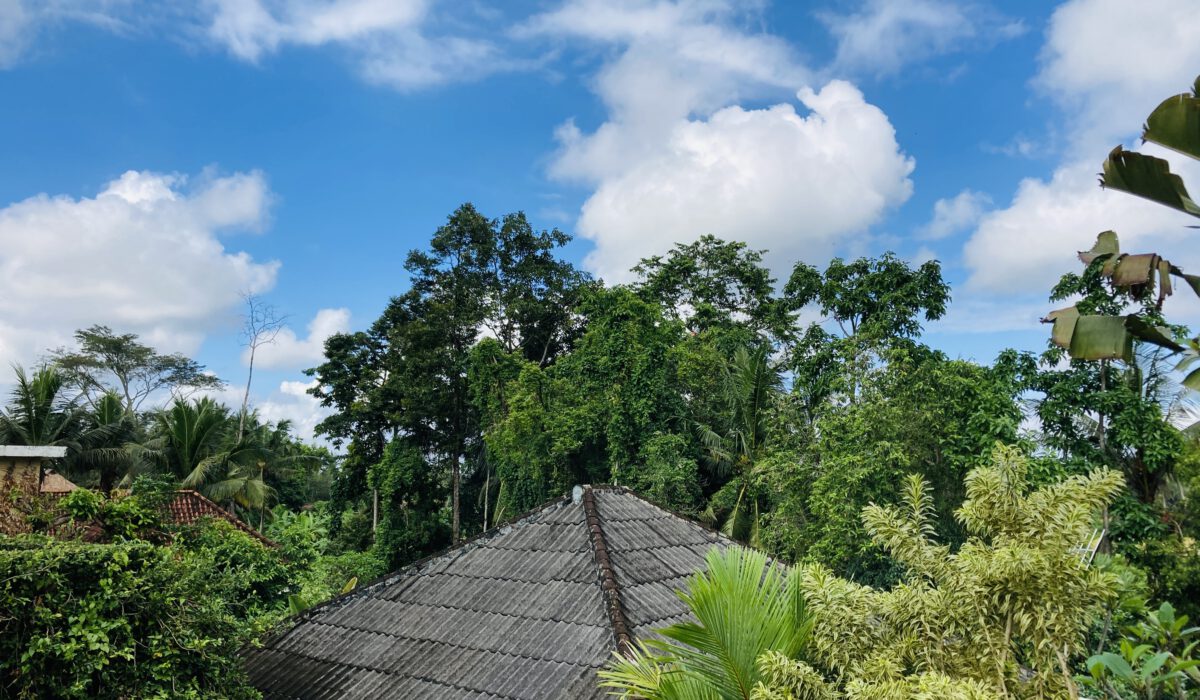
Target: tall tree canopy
[107,361]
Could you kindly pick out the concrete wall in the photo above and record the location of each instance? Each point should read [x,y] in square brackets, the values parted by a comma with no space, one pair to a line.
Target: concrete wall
[20,478]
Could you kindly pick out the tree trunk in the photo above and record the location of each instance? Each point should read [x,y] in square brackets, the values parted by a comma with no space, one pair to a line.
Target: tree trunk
[487,487]
[1103,388]
[454,506]
[246,397]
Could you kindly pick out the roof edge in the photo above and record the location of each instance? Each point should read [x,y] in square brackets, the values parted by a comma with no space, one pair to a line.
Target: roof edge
[225,515]
[42,451]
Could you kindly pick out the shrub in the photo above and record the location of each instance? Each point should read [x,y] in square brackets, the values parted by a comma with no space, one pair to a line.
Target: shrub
[112,621]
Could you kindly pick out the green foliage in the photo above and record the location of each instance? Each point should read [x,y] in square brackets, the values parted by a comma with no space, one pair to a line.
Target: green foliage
[712,284]
[1015,595]
[113,621]
[1154,660]
[879,298]
[750,390]
[667,474]
[136,516]
[717,655]
[918,413]
[410,501]
[39,412]
[1004,615]
[252,579]
[110,362]
[316,573]
[1172,565]
[876,303]
[1001,616]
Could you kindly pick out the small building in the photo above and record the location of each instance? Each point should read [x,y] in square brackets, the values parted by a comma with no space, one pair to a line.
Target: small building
[526,611]
[24,478]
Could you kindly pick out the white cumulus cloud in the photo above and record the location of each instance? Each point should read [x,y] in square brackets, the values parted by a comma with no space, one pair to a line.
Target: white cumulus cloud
[790,183]
[1108,63]
[291,402]
[679,155]
[289,352]
[145,255]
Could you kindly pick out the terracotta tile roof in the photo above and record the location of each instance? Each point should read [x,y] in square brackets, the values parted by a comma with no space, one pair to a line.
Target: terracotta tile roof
[187,506]
[528,610]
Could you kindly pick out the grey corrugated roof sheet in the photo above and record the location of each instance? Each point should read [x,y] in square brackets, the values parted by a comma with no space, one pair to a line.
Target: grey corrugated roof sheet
[517,613]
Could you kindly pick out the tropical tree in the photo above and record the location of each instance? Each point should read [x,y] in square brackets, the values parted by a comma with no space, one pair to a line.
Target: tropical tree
[714,285]
[107,361]
[261,325]
[1146,278]
[1003,616]
[40,412]
[918,412]
[750,389]
[191,440]
[1009,609]
[262,455]
[875,303]
[107,443]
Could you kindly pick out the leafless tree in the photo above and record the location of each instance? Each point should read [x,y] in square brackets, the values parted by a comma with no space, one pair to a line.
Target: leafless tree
[261,326]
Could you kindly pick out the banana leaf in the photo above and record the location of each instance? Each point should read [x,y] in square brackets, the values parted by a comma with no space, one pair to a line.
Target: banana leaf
[1148,177]
[1101,338]
[1175,124]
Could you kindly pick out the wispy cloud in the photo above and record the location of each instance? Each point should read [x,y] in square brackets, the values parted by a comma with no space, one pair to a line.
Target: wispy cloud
[882,37]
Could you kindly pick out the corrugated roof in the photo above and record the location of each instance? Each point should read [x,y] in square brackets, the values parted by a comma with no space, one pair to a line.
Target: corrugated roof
[32,451]
[525,611]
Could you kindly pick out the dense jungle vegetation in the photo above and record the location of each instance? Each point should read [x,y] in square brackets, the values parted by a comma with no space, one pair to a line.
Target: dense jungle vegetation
[805,417]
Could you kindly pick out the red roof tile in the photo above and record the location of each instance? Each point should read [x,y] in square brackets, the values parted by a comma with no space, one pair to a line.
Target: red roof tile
[187,506]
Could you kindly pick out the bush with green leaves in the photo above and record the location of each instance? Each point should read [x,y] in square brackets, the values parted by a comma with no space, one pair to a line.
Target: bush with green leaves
[123,620]
[1155,659]
[252,579]
[1004,615]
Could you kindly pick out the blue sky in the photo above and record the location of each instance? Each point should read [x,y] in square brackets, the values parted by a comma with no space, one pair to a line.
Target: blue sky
[158,162]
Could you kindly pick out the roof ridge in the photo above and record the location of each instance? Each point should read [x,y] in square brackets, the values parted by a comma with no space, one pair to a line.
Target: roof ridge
[609,585]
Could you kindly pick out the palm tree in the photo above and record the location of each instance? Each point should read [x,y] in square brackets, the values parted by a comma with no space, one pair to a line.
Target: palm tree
[97,441]
[751,385]
[191,440]
[747,610]
[267,452]
[106,444]
[39,413]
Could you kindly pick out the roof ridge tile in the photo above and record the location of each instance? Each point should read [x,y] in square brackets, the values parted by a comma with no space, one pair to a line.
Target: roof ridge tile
[608,578]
